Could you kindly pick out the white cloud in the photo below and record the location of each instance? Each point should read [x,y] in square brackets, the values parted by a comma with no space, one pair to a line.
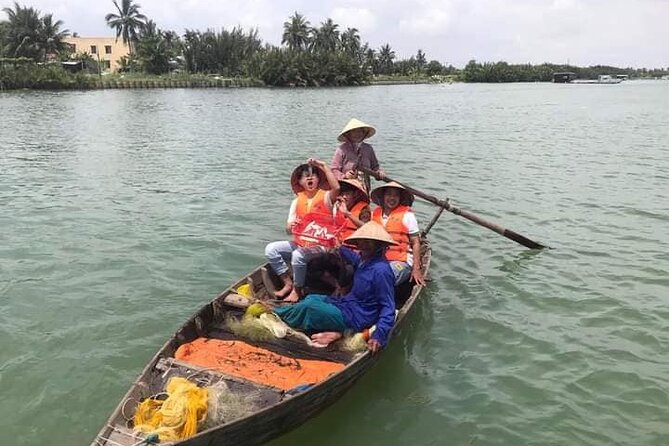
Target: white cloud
[428,23]
[361,18]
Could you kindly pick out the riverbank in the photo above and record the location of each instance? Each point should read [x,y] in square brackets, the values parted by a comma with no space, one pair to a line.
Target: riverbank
[132,83]
[177,83]
[22,76]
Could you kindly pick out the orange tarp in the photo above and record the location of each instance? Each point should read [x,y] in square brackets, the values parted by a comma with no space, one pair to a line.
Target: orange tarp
[255,364]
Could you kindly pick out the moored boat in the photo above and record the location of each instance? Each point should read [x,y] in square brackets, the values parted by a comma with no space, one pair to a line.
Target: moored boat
[568,77]
[602,79]
[275,406]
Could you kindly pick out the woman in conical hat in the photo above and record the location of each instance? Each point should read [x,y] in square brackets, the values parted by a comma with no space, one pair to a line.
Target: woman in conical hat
[371,300]
[395,214]
[353,152]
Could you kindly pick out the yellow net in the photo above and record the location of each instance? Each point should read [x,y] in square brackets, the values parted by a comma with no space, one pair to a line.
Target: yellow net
[176,417]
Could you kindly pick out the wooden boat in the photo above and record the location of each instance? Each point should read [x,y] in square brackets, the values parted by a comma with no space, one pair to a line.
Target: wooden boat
[276,411]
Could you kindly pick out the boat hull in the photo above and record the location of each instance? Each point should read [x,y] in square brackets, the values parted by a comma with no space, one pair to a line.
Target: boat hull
[280,413]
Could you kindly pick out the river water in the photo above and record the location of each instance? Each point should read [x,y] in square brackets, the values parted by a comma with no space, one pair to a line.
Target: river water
[122,212]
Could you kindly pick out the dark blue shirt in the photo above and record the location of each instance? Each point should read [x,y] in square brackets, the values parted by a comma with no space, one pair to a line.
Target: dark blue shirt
[372,297]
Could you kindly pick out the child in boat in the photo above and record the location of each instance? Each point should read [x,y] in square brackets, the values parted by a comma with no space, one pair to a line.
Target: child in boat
[310,182]
[353,203]
[371,300]
[394,213]
[353,152]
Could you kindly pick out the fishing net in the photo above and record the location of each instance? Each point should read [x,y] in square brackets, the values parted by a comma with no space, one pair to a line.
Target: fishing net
[226,406]
[176,417]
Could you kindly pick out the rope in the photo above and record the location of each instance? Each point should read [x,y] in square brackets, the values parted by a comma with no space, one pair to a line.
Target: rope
[178,416]
[150,439]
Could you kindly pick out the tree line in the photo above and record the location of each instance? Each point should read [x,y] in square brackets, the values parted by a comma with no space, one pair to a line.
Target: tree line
[320,55]
[504,72]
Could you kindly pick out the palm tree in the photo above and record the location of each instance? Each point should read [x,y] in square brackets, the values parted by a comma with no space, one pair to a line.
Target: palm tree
[296,32]
[326,38]
[127,22]
[22,32]
[51,38]
[148,28]
[421,60]
[386,56]
[350,41]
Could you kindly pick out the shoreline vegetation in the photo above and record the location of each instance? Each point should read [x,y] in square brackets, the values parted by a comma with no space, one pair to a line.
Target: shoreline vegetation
[33,48]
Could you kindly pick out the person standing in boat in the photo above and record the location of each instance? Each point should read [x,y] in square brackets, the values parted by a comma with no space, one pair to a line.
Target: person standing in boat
[371,300]
[354,153]
[317,189]
[394,213]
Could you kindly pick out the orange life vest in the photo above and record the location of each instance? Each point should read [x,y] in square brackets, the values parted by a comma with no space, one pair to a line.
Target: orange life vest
[397,231]
[350,227]
[317,226]
[306,204]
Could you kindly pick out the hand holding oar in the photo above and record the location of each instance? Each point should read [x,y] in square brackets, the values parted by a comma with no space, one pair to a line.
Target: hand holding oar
[444,204]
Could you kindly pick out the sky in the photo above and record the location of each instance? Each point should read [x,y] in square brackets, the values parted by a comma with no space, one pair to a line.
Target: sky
[623,33]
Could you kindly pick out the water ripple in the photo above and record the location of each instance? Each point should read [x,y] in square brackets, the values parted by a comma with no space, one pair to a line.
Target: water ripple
[112,237]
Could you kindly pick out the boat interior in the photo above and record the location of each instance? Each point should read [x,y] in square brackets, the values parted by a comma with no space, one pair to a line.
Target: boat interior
[211,322]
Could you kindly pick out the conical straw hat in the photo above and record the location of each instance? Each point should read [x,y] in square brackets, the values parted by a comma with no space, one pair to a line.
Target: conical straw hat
[356,184]
[356,124]
[406,197]
[297,173]
[371,231]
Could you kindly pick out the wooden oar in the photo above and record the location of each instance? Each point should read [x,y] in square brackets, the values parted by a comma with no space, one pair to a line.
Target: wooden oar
[444,204]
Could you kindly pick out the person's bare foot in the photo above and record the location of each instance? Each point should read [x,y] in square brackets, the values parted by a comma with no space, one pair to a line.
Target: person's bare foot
[327,337]
[280,294]
[294,296]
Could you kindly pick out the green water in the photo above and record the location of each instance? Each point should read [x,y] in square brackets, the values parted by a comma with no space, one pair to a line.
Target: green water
[121,212]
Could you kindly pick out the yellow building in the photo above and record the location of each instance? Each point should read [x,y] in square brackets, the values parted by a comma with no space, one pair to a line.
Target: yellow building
[105,49]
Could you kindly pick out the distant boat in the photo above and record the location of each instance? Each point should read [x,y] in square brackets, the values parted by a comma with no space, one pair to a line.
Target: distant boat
[563,77]
[602,79]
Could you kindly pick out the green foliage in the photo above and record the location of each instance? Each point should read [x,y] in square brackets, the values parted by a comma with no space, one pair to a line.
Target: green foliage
[156,50]
[25,73]
[296,32]
[385,60]
[284,67]
[504,72]
[225,52]
[4,32]
[326,38]
[27,34]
